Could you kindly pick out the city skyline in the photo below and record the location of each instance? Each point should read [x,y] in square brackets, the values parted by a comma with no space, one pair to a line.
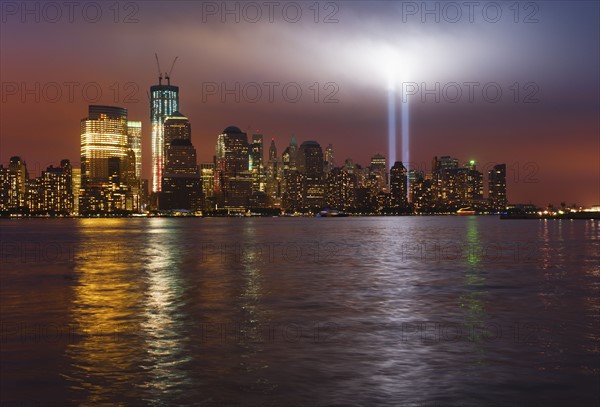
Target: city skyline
[561,121]
[180,128]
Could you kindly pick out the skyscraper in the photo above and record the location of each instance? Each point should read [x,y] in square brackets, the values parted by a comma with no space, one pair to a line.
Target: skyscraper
[497,187]
[134,143]
[55,190]
[181,185]
[256,164]
[13,180]
[329,159]
[378,169]
[104,136]
[106,163]
[273,188]
[181,182]
[233,179]
[164,102]
[176,126]
[398,186]
[310,165]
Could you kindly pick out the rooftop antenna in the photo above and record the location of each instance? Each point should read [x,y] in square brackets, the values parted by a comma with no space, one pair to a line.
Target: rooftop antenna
[168,74]
[159,71]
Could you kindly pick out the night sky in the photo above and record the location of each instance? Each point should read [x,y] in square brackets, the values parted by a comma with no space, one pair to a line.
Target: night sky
[551,145]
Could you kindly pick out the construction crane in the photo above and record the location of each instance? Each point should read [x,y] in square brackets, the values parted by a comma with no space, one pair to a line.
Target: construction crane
[159,71]
[168,74]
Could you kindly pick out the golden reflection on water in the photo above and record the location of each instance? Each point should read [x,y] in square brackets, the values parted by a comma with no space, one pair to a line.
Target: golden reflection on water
[101,354]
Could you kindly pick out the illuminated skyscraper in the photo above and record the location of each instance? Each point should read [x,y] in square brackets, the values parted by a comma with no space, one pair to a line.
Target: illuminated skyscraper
[256,164]
[398,186]
[164,102]
[273,179]
[329,159]
[207,173]
[497,187]
[57,189]
[233,179]
[378,170]
[108,182]
[473,184]
[13,180]
[310,165]
[181,182]
[177,126]
[134,143]
[104,136]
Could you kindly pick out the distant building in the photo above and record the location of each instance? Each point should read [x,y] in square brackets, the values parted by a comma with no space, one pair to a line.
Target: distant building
[378,170]
[181,183]
[398,186]
[13,186]
[497,187]
[176,126]
[233,178]
[310,165]
[329,159]
[107,162]
[256,164]
[164,102]
[103,136]
[52,193]
[134,143]
[207,173]
[273,181]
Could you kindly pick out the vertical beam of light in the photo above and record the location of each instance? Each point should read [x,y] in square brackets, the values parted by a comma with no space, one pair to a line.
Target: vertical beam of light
[391,126]
[406,138]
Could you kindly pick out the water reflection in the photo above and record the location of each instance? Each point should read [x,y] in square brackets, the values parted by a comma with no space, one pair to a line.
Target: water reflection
[254,323]
[472,301]
[103,352]
[163,326]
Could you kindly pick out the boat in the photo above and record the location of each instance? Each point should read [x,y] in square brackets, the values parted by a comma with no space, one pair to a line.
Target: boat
[466,211]
[331,213]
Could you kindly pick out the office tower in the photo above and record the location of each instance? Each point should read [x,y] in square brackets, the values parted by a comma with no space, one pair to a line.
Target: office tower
[103,136]
[398,186]
[292,191]
[340,189]
[497,187]
[76,188]
[310,165]
[446,183]
[292,151]
[207,173]
[473,184]
[181,183]
[378,169]
[164,102]
[329,159]
[273,188]
[256,164]
[134,143]
[104,160]
[233,179]
[176,126]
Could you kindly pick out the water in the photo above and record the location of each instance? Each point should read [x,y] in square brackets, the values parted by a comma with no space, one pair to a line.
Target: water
[408,311]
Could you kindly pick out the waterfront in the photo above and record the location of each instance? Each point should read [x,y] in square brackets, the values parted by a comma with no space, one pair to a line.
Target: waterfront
[300,311]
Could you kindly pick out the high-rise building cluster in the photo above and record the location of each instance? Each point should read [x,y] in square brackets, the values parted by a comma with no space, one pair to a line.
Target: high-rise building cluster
[303,179]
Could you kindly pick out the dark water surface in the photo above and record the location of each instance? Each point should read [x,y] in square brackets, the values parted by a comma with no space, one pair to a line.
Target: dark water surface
[409,311]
